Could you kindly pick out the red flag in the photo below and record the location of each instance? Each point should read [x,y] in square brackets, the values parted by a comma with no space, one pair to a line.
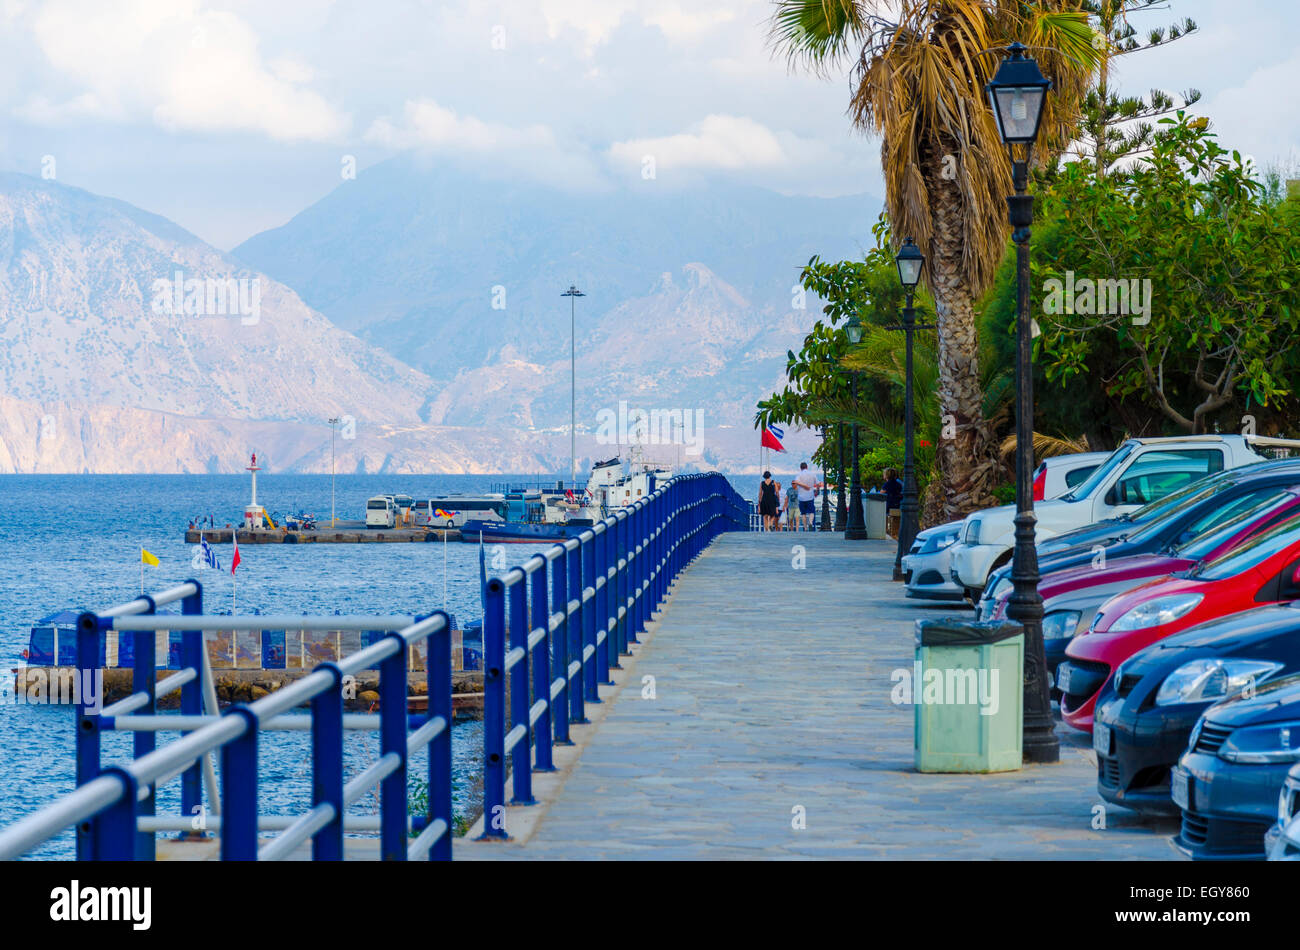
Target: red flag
[772,437]
[234,561]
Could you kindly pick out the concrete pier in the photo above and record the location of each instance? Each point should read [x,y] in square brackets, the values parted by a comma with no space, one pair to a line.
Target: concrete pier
[324,535]
[767,731]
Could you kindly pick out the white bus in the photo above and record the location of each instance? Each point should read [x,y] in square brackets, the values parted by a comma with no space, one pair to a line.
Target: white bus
[456,509]
[381,512]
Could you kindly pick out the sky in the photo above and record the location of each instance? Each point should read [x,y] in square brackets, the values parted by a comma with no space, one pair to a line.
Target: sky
[230,116]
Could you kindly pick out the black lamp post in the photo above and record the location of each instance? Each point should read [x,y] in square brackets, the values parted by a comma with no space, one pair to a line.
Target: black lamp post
[856,530]
[826,510]
[910,262]
[1017,94]
[841,501]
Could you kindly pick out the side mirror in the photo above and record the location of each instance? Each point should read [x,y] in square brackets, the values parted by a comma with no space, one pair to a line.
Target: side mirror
[1112,496]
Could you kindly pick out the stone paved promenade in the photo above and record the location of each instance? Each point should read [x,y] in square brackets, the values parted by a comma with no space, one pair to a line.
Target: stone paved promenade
[771,693]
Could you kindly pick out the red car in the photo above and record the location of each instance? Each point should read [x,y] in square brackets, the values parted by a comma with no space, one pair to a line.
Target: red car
[1262,570]
[1099,581]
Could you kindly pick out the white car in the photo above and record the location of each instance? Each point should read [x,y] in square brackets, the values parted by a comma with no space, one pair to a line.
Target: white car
[1140,471]
[1058,474]
[925,566]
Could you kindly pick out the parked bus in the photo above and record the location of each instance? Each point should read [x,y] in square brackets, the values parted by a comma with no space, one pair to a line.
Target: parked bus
[381,512]
[456,509]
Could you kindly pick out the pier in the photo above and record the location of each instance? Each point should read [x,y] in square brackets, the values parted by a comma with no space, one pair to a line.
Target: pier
[351,535]
[666,686]
[770,733]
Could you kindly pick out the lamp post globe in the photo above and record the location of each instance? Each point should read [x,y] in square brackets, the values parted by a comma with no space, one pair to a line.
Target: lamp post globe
[910,262]
[856,529]
[1017,94]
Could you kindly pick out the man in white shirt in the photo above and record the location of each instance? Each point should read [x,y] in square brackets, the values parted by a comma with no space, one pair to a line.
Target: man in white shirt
[806,484]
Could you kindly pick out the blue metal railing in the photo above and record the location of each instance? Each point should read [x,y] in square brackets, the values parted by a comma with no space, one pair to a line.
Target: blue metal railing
[603,587]
[566,633]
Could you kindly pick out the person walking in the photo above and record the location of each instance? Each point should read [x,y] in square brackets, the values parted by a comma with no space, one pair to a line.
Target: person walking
[767,501]
[791,508]
[805,486]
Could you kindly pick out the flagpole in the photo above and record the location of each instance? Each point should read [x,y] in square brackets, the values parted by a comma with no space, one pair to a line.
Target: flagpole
[444,568]
[142,570]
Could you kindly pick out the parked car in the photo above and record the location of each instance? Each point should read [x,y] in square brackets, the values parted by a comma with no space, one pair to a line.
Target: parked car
[1057,474]
[1146,712]
[1072,597]
[1184,515]
[1137,473]
[1264,569]
[1237,760]
[925,566]
[1282,842]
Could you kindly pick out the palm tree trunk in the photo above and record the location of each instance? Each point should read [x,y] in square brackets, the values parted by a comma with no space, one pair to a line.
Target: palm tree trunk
[965,453]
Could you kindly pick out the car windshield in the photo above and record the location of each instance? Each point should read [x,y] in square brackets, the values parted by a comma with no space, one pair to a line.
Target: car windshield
[1183,498]
[1203,542]
[1251,553]
[1103,471]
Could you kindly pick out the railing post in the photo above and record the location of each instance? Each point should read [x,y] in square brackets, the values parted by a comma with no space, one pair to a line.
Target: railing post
[494,712]
[144,677]
[192,702]
[327,765]
[87,742]
[392,739]
[622,611]
[437,664]
[521,758]
[604,661]
[575,628]
[114,834]
[635,558]
[542,666]
[239,790]
[560,604]
[589,614]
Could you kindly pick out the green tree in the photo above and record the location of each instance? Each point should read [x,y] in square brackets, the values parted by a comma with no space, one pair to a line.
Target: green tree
[919,71]
[1192,224]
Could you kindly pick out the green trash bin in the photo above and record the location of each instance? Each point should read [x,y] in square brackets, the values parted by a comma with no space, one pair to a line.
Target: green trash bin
[968,695]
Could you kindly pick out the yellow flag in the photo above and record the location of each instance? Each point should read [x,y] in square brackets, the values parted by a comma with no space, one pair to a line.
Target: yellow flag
[147,558]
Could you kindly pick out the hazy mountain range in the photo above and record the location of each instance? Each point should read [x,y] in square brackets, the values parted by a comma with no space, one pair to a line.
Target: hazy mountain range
[420,306]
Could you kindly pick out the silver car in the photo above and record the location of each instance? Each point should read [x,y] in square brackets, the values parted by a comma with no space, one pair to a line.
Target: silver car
[925,566]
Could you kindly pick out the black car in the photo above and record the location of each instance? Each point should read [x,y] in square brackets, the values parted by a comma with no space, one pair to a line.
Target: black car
[1228,781]
[1174,519]
[1145,715]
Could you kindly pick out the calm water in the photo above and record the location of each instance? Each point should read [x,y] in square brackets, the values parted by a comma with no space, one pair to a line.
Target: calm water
[73,541]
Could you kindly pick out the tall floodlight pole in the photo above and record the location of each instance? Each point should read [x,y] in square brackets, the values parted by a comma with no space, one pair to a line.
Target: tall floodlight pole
[1017,93]
[572,293]
[333,422]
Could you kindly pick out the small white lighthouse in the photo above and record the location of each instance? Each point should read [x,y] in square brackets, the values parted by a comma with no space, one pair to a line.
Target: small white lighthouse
[254,514]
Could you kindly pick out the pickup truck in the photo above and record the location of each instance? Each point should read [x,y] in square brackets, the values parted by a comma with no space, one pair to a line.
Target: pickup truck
[1137,473]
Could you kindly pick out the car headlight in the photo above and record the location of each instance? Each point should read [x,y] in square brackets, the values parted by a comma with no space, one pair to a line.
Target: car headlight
[1156,612]
[1210,679]
[1000,587]
[973,532]
[938,542]
[1060,624]
[1263,745]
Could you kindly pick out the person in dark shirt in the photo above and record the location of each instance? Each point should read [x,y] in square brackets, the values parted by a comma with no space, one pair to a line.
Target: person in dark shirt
[893,502]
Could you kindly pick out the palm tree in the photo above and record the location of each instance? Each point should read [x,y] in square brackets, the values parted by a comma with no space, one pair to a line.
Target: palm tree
[918,73]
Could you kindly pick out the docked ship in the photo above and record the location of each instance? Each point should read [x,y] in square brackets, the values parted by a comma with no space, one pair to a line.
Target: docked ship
[554,515]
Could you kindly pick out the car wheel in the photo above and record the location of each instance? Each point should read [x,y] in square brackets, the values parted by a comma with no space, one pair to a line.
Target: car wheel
[450,523]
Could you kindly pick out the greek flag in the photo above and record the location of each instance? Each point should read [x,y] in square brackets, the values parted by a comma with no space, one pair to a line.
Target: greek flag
[209,556]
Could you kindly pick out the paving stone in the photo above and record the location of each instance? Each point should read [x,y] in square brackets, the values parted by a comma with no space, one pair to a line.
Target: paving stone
[773,691]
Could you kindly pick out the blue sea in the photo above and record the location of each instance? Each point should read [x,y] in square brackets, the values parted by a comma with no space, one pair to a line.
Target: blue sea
[73,541]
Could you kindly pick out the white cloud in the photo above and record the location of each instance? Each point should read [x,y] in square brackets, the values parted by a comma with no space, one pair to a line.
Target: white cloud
[717,141]
[1259,114]
[530,150]
[186,67]
[679,24]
